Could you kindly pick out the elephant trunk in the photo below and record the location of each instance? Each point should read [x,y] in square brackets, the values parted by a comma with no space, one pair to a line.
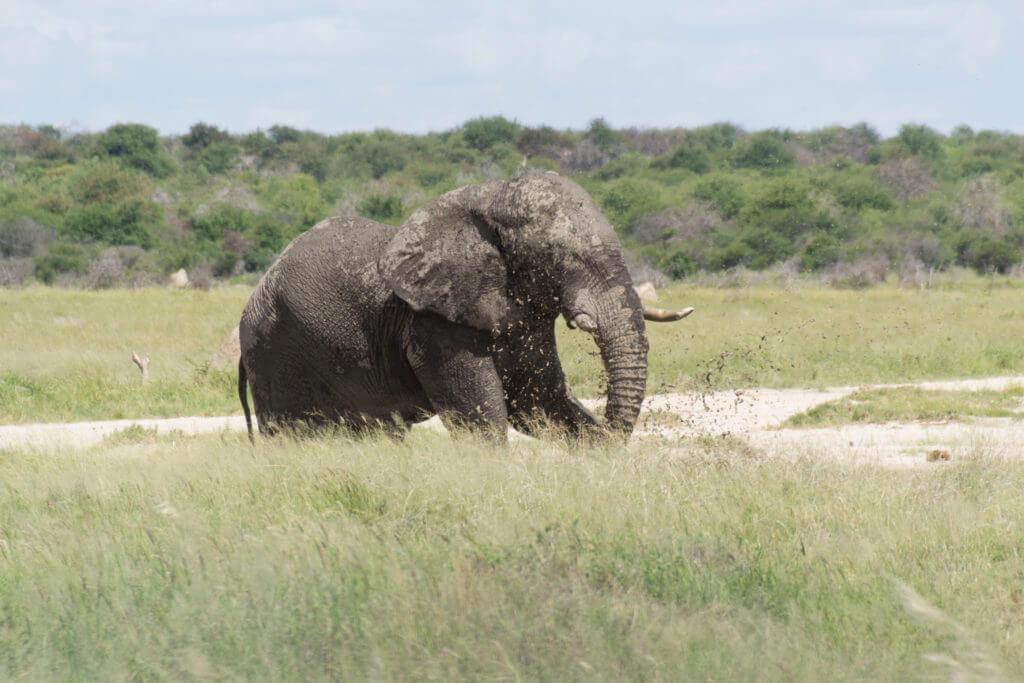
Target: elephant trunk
[623,343]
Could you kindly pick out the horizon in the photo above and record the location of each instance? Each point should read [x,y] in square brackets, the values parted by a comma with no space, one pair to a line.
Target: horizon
[67,131]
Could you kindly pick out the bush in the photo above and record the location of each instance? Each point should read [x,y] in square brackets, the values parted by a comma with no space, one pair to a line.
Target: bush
[483,133]
[861,193]
[103,182]
[217,157]
[61,258]
[767,247]
[200,136]
[678,265]
[723,258]
[722,191]
[919,141]
[543,141]
[136,146]
[430,176]
[296,197]
[14,271]
[691,155]
[785,206]
[379,156]
[214,224]
[821,251]
[105,272]
[601,134]
[383,208]
[765,151]
[991,254]
[626,200]
[22,237]
[126,223]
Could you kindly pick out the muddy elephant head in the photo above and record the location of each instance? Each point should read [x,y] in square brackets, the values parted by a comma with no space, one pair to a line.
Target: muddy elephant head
[505,254]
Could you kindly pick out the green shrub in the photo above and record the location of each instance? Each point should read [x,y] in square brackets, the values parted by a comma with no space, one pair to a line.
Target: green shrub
[691,155]
[62,257]
[430,176]
[734,254]
[137,146]
[919,141]
[764,151]
[601,134]
[785,206]
[627,199]
[103,182]
[987,254]
[282,134]
[722,191]
[678,265]
[483,133]
[297,198]
[862,193]
[541,141]
[213,225]
[821,251]
[217,157]
[129,222]
[383,208]
[379,156]
[200,136]
[767,247]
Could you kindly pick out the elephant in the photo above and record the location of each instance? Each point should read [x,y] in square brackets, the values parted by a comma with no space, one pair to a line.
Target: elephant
[363,324]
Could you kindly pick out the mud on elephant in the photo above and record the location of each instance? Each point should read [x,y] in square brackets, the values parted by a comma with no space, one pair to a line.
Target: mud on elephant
[452,313]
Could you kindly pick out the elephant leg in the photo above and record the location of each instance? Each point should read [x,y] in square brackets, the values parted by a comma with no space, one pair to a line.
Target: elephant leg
[535,386]
[454,366]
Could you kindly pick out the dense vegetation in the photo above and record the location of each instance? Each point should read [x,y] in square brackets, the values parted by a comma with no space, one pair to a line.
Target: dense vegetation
[127,206]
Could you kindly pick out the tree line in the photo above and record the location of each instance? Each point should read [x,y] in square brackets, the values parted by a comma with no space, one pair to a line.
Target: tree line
[126,205]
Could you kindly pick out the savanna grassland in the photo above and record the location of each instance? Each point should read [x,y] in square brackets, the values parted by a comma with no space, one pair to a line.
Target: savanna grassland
[190,558]
[65,354]
[181,557]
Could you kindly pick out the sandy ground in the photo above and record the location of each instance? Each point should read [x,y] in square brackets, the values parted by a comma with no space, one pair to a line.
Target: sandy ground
[753,415]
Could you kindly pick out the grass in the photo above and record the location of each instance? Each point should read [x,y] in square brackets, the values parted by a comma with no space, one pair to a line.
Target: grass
[65,355]
[431,558]
[907,404]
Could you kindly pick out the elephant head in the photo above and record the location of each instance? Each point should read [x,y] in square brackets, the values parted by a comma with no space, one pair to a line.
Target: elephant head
[502,254]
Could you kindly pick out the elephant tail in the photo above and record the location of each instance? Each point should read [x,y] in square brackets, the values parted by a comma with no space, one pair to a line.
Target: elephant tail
[242,391]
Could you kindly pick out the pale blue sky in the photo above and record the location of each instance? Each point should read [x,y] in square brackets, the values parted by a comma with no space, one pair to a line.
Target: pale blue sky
[428,66]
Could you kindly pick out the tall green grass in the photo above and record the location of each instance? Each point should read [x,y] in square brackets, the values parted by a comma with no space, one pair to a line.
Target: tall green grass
[434,558]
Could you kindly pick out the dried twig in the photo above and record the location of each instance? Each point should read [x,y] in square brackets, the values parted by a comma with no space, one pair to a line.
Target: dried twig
[143,364]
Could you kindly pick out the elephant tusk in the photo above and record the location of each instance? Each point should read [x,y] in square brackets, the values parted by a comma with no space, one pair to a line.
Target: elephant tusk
[661,315]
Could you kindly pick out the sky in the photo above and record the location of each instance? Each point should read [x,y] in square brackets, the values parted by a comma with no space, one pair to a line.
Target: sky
[415,66]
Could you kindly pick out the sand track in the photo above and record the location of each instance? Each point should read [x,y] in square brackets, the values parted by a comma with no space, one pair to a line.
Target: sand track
[753,415]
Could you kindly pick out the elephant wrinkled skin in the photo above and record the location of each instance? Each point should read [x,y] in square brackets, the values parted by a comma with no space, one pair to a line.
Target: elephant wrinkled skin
[453,313]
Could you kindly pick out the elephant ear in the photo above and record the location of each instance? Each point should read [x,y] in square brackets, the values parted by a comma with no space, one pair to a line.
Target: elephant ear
[446,259]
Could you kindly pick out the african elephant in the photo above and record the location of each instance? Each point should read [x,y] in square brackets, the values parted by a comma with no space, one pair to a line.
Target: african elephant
[453,313]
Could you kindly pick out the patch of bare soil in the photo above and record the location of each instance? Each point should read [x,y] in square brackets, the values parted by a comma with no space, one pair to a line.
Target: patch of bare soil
[753,415]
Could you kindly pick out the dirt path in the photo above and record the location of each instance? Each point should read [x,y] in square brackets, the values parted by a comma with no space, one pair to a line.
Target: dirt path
[753,415]
[756,414]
